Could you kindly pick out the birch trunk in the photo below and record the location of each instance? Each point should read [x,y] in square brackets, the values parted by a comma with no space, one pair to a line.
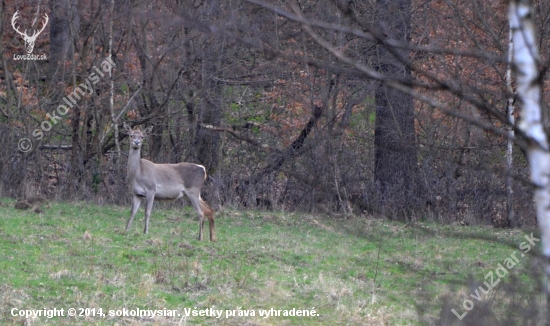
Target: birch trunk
[526,66]
[509,150]
[112,86]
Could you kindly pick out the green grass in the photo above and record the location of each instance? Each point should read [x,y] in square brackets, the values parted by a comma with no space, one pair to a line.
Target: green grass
[359,271]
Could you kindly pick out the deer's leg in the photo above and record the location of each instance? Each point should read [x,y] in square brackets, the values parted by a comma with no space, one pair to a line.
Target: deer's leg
[135,207]
[148,210]
[212,230]
[195,199]
[201,228]
[209,213]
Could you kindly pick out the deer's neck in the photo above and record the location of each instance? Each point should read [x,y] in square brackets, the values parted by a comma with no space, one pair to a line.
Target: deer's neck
[134,158]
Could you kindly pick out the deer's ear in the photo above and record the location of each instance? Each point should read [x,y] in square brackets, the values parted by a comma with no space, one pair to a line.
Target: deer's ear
[148,130]
[127,127]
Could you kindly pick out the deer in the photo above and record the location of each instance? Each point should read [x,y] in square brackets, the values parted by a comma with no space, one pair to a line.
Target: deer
[166,182]
[29,39]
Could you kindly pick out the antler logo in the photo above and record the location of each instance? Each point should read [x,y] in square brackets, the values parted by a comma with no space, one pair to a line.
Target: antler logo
[29,39]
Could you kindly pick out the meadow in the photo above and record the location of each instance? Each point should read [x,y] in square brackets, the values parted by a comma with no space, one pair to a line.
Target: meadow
[267,268]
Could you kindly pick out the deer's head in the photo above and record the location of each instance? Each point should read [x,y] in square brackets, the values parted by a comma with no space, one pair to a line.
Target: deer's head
[29,39]
[136,135]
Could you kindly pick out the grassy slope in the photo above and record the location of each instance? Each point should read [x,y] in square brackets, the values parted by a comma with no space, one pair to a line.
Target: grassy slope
[353,272]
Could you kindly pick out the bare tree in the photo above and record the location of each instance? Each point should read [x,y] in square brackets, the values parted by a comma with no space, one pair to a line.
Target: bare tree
[395,158]
[63,32]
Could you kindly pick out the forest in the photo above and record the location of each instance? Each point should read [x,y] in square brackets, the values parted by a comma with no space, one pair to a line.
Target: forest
[364,146]
[392,108]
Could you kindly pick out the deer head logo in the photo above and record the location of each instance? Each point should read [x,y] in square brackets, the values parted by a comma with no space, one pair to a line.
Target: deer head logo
[29,39]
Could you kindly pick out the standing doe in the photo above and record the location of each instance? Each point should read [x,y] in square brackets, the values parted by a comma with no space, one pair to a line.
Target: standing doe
[152,181]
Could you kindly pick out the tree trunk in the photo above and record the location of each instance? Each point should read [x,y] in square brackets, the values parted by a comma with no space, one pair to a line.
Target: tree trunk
[395,155]
[206,149]
[63,28]
[509,148]
[526,65]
